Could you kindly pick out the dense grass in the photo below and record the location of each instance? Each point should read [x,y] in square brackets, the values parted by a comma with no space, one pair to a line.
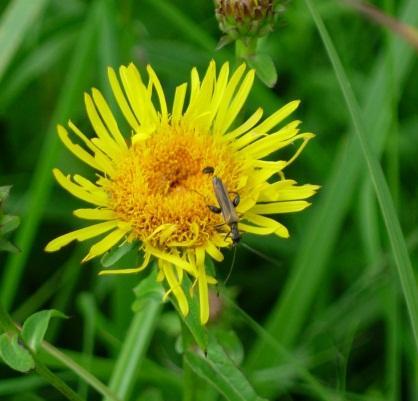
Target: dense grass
[329,314]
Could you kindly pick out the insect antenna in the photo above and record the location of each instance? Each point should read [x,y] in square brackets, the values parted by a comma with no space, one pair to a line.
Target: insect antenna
[234,257]
[261,254]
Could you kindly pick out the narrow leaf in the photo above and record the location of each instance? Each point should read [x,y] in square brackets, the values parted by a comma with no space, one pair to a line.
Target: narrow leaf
[393,227]
[114,255]
[192,320]
[16,21]
[265,68]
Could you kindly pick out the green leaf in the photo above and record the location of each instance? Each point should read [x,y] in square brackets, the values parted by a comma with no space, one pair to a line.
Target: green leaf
[14,354]
[4,193]
[220,372]
[115,254]
[7,246]
[147,290]
[35,327]
[18,18]
[224,41]
[192,320]
[8,223]
[265,68]
[232,345]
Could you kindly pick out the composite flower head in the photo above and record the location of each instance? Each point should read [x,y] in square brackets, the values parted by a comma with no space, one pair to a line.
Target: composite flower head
[150,185]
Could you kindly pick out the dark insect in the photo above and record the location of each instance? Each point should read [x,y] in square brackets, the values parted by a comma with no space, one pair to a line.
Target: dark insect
[226,205]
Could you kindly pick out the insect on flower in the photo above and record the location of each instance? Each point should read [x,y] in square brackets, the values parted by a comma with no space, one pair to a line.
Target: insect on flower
[226,206]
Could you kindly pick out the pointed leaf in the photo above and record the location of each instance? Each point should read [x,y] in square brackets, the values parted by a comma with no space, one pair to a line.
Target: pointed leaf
[14,354]
[232,345]
[7,246]
[35,327]
[264,68]
[220,372]
[115,254]
[223,41]
[8,223]
[4,192]
[192,320]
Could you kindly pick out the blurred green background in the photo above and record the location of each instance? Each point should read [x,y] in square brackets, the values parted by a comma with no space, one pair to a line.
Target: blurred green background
[329,296]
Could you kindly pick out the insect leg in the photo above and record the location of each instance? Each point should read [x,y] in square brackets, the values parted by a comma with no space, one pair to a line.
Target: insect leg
[214,209]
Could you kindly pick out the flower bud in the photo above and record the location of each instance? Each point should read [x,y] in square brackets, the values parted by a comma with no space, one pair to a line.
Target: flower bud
[245,19]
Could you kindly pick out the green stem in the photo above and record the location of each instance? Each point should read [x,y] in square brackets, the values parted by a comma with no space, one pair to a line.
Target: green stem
[79,371]
[133,350]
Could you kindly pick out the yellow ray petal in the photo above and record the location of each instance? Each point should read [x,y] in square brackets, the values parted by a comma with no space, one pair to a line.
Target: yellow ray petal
[239,99]
[203,95]
[175,287]
[138,95]
[80,235]
[247,125]
[99,248]
[226,98]
[214,252]
[105,163]
[138,269]
[264,221]
[121,100]
[280,207]
[160,93]
[279,191]
[109,146]
[270,144]
[219,90]
[277,116]
[203,286]
[194,85]
[108,118]
[77,150]
[256,230]
[178,103]
[170,258]
[95,214]
[98,199]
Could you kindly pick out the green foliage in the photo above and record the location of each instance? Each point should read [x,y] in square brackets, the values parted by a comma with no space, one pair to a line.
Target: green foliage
[35,326]
[8,223]
[216,367]
[14,354]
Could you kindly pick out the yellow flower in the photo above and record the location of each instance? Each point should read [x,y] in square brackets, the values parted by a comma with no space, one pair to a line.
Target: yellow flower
[150,187]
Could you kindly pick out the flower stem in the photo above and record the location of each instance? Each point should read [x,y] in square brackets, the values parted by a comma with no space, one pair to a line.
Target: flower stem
[133,350]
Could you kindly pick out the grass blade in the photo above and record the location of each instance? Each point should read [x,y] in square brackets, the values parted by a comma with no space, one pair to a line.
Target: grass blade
[16,20]
[42,176]
[393,227]
[286,319]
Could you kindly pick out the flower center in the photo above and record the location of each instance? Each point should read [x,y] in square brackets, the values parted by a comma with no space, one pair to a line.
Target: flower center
[161,191]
